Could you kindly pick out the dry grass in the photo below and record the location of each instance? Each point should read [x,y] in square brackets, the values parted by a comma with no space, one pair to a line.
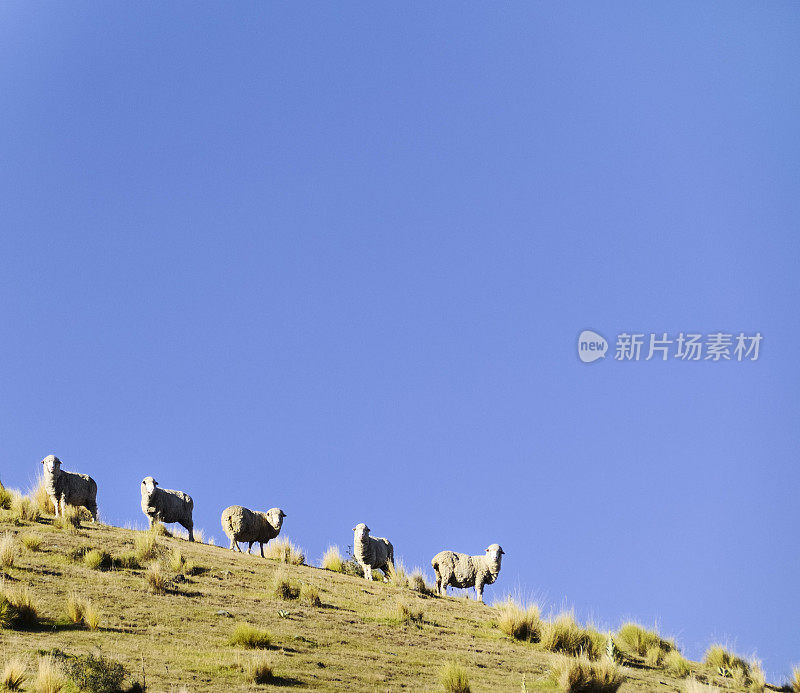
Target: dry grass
[259,669]
[519,621]
[7,550]
[563,635]
[39,497]
[5,498]
[284,551]
[637,640]
[82,611]
[70,519]
[332,560]
[23,508]
[692,685]
[794,682]
[179,564]
[96,559]
[654,656]
[249,637]
[725,662]
[417,583]
[453,678]
[284,588]
[156,579]
[31,542]
[17,609]
[310,595]
[579,675]
[676,664]
[398,573]
[49,678]
[13,675]
[406,614]
[146,547]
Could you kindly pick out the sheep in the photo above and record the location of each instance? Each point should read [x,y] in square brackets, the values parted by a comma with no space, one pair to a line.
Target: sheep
[461,570]
[372,552]
[241,524]
[69,488]
[165,505]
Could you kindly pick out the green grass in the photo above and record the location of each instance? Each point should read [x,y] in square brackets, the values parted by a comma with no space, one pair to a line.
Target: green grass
[96,559]
[249,637]
[31,542]
[563,635]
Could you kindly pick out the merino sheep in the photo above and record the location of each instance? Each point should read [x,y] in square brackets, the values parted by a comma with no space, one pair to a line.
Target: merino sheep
[461,570]
[372,552]
[165,505]
[241,524]
[69,488]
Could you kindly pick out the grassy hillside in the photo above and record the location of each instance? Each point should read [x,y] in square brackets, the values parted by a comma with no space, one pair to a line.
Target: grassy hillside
[360,636]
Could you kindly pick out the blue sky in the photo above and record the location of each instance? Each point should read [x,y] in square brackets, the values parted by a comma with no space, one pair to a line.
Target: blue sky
[336,259]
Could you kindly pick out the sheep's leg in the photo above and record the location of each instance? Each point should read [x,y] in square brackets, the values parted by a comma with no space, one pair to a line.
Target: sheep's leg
[190,527]
[368,572]
[250,547]
[234,545]
[261,545]
[479,590]
[93,511]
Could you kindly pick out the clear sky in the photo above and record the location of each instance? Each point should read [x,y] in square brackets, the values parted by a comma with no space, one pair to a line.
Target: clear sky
[335,258]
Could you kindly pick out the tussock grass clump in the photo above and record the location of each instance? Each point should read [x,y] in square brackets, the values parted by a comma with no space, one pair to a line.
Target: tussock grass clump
[727,663]
[69,520]
[259,669]
[40,498]
[146,547]
[179,564]
[50,677]
[637,640]
[310,595]
[159,530]
[285,551]
[794,682]
[654,656]
[453,678]
[405,614]
[17,610]
[519,621]
[249,637]
[22,508]
[97,559]
[284,588]
[126,561]
[417,583]
[7,550]
[676,664]
[579,675]
[82,611]
[13,675]
[91,673]
[332,560]
[5,498]
[563,634]
[31,542]
[398,573]
[156,579]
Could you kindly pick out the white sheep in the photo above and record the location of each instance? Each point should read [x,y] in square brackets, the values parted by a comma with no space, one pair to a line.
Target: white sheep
[462,570]
[241,524]
[69,488]
[165,505]
[372,552]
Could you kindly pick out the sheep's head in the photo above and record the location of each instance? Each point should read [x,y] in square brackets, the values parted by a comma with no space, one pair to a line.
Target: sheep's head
[361,530]
[275,517]
[51,464]
[494,552]
[148,486]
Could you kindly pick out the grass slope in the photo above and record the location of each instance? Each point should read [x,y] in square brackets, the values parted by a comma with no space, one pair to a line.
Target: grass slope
[357,639]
